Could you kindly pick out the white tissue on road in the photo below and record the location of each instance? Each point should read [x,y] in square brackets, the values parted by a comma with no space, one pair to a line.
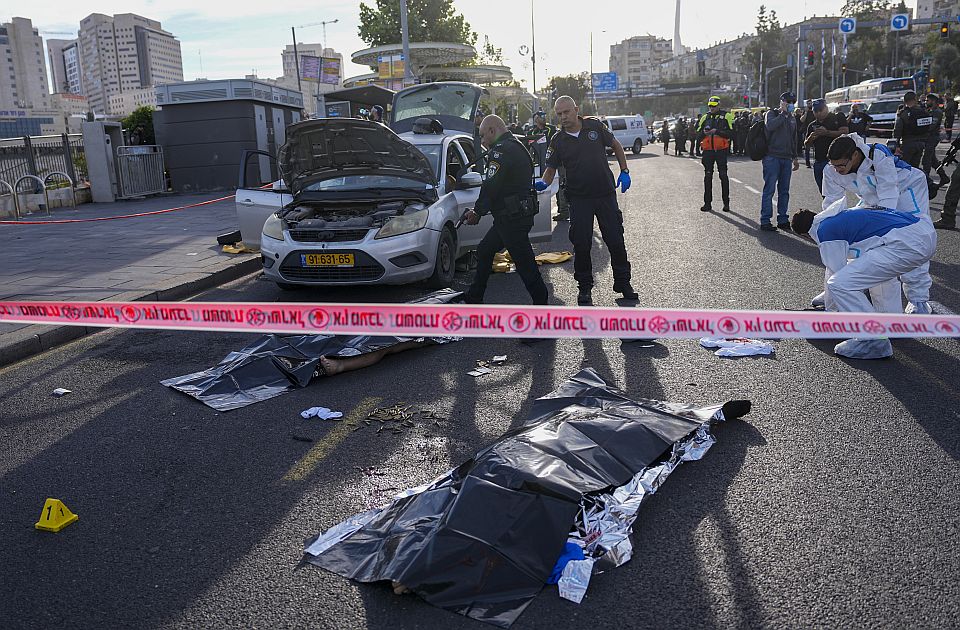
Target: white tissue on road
[321,412]
[739,347]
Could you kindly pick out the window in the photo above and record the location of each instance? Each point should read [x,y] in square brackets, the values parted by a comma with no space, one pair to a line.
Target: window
[617,124]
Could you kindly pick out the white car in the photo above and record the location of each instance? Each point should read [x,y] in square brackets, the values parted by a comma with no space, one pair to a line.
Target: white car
[370,204]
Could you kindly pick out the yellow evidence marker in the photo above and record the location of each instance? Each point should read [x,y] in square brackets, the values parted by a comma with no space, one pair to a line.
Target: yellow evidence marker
[55,516]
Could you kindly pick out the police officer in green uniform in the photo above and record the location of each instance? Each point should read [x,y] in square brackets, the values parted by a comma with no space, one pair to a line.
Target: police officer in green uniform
[507,194]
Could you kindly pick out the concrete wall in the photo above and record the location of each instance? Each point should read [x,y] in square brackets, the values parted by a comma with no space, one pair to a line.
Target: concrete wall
[59,198]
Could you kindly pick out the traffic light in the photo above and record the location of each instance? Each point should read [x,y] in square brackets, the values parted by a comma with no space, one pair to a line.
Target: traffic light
[931,81]
[843,67]
[811,59]
[944,30]
[701,68]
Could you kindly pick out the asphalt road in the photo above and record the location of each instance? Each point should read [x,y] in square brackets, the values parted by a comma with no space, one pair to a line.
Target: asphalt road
[836,503]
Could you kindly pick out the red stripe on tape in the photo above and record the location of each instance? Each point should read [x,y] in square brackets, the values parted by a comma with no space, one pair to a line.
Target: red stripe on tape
[416,320]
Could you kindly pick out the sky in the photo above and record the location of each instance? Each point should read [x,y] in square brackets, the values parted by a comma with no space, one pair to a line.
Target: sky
[229,39]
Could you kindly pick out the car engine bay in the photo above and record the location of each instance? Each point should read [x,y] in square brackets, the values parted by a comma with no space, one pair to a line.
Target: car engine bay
[352,215]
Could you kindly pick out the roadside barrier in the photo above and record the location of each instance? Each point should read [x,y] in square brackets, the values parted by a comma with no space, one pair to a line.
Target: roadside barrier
[467,320]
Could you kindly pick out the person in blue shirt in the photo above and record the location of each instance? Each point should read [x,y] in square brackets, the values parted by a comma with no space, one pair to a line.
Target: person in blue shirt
[883,245]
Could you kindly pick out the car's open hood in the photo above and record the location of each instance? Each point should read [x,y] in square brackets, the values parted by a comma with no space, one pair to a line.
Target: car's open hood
[325,148]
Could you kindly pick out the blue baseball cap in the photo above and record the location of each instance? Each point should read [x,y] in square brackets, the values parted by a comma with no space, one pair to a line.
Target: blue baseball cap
[788,97]
[819,105]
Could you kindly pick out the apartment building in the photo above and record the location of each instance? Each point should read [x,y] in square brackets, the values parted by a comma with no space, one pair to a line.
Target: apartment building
[23,71]
[125,53]
[637,60]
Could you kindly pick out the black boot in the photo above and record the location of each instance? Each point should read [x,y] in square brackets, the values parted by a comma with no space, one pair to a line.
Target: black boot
[585,296]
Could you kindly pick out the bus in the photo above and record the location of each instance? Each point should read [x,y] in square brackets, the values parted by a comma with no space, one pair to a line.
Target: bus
[884,89]
[836,97]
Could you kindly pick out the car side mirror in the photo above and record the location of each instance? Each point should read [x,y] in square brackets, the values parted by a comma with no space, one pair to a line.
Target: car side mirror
[470,180]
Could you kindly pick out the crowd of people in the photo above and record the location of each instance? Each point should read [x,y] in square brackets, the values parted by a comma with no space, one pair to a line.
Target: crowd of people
[870,251]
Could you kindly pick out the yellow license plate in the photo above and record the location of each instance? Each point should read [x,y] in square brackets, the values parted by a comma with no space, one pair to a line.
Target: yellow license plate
[326,260]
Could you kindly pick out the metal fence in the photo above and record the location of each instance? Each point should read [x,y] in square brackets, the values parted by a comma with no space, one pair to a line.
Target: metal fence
[141,170]
[42,155]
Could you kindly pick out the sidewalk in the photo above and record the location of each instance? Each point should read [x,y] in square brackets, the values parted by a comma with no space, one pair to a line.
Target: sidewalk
[160,257]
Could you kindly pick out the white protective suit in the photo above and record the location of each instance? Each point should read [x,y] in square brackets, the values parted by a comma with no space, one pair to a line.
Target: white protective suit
[889,243]
[884,181]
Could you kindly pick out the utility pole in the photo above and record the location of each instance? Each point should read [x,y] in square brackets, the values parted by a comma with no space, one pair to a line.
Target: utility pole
[296,58]
[593,94]
[405,39]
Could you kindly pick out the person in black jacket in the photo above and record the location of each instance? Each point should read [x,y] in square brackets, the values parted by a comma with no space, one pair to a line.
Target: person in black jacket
[933,137]
[665,137]
[912,129]
[859,121]
[508,195]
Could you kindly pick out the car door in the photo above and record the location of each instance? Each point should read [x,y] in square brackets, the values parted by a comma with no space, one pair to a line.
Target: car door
[254,203]
[469,236]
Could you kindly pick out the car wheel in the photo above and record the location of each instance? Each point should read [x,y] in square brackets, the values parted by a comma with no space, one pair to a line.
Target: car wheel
[637,145]
[285,286]
[446,264]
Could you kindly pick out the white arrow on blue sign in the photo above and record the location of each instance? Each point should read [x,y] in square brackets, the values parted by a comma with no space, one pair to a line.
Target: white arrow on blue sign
[848,26]
[900,22]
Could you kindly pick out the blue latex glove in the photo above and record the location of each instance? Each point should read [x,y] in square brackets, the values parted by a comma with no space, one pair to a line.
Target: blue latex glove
[541,185]
[571,551]
[624,182]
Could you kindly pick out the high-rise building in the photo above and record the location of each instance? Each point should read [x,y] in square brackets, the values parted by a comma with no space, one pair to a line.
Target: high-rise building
[637,60]
[23,71]
[65,70]
[125,53]
[310,50]
[934,8]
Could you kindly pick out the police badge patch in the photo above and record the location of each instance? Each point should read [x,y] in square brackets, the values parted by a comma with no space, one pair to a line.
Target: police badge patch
[593,135]
[492,169]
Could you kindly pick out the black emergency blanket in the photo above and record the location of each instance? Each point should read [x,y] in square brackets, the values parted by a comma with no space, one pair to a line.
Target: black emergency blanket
[483,539]
[275,364]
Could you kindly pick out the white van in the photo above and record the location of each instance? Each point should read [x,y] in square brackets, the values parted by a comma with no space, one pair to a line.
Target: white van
[630,131]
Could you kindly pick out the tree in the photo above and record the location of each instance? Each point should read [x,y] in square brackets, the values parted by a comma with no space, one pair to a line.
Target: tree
[489,54]
[769,42]
[427,21]
[575,86]
[139,124]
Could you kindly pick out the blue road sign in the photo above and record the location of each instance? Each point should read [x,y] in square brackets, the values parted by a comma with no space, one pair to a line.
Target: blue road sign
[900,22]
[848,26]
[605,82]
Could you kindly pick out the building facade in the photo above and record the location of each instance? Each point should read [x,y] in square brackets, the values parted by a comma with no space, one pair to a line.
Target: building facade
[933,8]
[637,60]
[308,88]
[23,71]
[71,110]
[64,58]
[125,102]
[125,53]
[724,60]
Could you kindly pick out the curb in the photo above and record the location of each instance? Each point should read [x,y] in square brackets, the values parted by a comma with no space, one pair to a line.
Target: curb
[38,338]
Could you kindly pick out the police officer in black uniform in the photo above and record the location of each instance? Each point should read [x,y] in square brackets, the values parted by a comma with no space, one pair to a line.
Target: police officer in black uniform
[507,194]
[858,121]
[581,147]
[912,129]
[933,137]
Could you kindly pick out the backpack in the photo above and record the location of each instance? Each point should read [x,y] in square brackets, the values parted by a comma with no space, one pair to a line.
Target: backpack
[757,141]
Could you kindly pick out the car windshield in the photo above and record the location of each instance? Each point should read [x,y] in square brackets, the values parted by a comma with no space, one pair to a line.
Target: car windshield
[432,151]
[365,182]
[884,107]
[436,99]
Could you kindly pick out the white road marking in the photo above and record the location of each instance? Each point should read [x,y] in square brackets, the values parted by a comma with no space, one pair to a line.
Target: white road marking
[734,179]
[753,190]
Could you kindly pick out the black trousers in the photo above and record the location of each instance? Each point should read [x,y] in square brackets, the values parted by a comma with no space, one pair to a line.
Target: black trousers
[514,235]
[911,150]
[718,158]
[608,215]
[949,214]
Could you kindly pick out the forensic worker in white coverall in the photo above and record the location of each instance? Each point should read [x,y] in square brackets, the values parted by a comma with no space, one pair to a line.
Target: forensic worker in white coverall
[881,181]
[888,244]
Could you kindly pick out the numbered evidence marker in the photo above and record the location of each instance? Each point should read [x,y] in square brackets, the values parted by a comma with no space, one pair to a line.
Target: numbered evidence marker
[55,516]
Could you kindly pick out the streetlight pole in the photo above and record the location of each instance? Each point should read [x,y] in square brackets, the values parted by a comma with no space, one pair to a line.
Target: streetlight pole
[533,51]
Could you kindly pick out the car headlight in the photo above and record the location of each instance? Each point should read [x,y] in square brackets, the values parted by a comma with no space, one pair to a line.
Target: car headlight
[273,227]
[404,224]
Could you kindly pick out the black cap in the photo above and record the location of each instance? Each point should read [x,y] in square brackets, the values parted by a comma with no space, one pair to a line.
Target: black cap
[819,104]
[788,97]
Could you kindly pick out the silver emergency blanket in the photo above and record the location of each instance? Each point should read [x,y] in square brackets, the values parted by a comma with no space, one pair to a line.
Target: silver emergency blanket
[482,539]
[275,364]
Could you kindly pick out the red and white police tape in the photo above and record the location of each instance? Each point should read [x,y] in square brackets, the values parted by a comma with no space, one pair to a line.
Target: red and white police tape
[465,320]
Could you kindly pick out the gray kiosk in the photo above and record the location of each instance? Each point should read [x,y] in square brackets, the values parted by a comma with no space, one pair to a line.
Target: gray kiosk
[204,128]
